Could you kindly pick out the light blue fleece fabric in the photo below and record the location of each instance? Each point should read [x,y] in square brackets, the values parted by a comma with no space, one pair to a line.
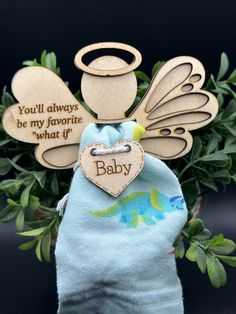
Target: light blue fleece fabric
[113,254]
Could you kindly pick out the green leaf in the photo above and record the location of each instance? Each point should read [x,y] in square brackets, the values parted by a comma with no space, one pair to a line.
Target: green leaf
[56,226]
[44,222]
[229,260]
[195,227]
[5,166]
[229,145]
[46,245]
[49,209]
[226,89]
[8,213]
[78,96]
[232,77]
[141,91]
[212,143]
[217,240]
[204,235]
[38,250]
[6,141]
[24,199]
[229,166]
[215,86]
[143,85]
[14,164]
[7,99]
[20,219]
[216,272]
[7,184]
[34,203]
[11,185]
[224,66]
[18,183]
[230,128]
[210,85]
[222,176]
[5,211]
[190,191]
[142,76]
[51,62]
[25,177]
[12,202]
[33,233]
[54,184]
[197,147]
[230,108]
[156,67]
[216,159]
[234,178]
[27,245]
[220,99]
[191,253]
[225,247]
[209,182]
[203,172]
[40,176]
[31,63]
[43,58]
[201,259]
[179,247]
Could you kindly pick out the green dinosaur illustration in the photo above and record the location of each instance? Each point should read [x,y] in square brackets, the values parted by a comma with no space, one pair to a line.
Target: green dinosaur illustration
[143,206]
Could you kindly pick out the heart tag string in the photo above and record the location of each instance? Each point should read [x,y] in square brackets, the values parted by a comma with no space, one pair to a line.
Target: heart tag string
[108,151]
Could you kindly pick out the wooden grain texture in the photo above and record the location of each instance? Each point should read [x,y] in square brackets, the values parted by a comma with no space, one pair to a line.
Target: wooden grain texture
[110,96]
[137,59]
[112,172]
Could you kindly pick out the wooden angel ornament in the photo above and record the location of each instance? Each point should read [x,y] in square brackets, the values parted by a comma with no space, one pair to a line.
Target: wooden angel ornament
[125,207]
[51,117]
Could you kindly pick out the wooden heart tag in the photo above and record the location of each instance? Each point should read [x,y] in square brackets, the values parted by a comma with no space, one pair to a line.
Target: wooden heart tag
[112,169]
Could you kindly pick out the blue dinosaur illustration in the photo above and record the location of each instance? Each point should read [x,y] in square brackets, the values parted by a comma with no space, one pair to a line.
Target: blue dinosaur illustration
[143,206]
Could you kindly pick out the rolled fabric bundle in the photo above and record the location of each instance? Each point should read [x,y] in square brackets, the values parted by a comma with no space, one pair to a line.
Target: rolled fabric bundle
[113,254]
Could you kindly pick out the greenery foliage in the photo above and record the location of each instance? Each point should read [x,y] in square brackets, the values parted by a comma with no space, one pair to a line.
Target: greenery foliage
[29,193]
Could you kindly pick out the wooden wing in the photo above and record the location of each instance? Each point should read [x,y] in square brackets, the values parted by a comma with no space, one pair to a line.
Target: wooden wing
[48,115]
[173,105]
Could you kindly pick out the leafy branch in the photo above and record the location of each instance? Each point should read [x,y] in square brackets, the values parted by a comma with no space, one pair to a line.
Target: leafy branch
[47,60]
[210,165]
[207,251]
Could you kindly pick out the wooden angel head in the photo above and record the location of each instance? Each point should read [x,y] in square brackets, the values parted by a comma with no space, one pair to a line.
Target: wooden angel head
[109,85]
[49,115]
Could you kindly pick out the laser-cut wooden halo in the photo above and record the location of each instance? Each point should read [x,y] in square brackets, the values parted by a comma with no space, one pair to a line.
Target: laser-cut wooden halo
[111,45]
[49,115]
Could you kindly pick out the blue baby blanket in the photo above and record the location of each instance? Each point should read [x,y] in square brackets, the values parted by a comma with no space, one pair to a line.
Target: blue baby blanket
[113,254]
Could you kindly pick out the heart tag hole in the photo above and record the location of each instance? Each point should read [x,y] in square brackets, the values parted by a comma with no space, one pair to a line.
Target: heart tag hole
[129,148]
[109,151]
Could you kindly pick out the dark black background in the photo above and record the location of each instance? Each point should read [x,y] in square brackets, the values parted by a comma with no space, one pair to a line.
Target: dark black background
[160,30]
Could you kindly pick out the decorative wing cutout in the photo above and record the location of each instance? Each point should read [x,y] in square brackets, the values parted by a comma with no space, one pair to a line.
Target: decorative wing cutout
[173,105]
[47,114]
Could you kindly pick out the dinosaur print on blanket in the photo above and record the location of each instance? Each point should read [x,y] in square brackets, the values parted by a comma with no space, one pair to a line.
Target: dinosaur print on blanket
[143,207]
